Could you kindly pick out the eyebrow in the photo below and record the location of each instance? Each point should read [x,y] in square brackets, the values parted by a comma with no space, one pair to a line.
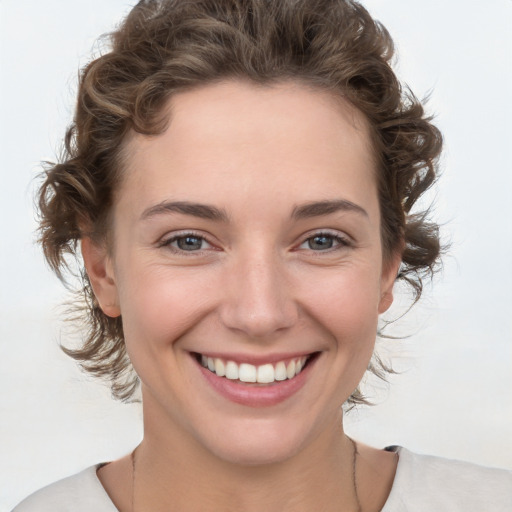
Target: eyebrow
[203,211]
[319,208]
[209,212]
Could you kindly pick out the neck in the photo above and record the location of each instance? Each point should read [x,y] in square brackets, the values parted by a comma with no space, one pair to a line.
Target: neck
[173,472]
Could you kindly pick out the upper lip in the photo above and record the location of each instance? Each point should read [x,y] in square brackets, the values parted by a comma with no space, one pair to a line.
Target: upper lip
[254,359]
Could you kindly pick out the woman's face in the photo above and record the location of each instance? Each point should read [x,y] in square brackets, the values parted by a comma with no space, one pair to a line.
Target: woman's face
[249,233]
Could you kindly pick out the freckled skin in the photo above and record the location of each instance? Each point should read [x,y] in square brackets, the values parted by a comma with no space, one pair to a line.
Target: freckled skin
[257,284]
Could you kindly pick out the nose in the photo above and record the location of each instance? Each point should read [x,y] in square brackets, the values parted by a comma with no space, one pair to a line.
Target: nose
[258,299]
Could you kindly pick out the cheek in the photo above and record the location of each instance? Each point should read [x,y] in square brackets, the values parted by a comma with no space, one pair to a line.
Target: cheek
[345,306]
[346,301]
[158,306]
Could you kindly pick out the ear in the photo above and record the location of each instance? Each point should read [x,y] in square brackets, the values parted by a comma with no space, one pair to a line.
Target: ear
[389,273]
[98,265]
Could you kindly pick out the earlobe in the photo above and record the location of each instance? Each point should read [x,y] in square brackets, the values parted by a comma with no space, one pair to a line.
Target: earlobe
[386,299]
[388,279]
[98,265]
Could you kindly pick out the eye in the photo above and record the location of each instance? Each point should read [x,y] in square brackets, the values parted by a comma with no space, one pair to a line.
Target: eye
[324,242]
[187,242]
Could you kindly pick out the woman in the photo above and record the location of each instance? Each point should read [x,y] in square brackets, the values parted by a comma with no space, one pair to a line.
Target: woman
[239,179]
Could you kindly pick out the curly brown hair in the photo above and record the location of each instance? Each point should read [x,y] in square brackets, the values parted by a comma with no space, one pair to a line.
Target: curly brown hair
[165,46]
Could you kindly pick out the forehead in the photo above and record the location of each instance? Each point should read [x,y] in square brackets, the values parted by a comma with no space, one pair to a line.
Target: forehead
[239,139]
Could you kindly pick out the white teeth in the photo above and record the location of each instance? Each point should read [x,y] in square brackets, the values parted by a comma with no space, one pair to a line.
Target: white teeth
[245,372]
[265,374]
[231,370]
[220,369]
[280,371]
[290,369]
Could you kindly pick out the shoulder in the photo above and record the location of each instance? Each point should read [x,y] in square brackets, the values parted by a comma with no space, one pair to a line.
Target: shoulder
[82,492]
[426,483]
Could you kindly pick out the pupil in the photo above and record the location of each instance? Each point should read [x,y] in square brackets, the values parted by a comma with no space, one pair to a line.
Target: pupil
[189,243]
[320,242]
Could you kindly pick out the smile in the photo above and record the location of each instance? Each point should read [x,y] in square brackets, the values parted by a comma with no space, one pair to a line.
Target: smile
[262,374]
[260,382]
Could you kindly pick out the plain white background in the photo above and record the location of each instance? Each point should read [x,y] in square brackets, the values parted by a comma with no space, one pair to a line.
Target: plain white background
[454,397]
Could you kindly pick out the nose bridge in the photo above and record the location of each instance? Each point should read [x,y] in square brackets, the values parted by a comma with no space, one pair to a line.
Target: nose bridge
[259,301]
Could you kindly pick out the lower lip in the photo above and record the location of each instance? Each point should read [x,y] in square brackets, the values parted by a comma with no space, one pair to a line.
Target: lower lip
[257,395]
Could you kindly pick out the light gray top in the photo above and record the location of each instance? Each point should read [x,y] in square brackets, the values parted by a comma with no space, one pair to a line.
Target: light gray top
[422,484]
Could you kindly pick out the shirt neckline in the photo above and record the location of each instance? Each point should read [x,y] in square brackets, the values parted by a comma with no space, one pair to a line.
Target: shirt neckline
[402,454]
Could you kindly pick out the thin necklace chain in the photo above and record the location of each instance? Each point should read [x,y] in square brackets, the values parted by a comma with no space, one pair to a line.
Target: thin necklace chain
[354,479]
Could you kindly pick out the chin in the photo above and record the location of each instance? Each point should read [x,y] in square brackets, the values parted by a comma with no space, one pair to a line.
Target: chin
[257,443]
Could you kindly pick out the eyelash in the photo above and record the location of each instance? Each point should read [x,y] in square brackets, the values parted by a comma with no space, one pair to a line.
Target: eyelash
[342,242]
[179,236]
